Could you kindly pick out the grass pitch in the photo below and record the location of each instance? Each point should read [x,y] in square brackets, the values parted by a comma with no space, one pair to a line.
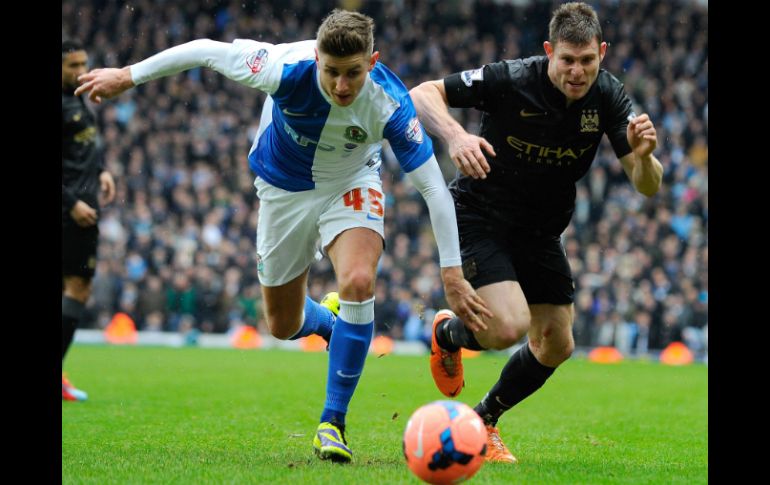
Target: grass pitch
[192,415]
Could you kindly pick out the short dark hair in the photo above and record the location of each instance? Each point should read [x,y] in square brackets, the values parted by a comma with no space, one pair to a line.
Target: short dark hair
[576,23]
[343,33]
[70,45]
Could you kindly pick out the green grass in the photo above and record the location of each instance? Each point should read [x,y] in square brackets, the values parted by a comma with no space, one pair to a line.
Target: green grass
[190,415]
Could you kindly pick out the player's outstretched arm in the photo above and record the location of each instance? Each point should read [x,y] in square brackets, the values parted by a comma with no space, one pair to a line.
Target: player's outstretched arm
[104,83]
[110,82]
[463,299]
[465,150]
[641,166]
[460,295]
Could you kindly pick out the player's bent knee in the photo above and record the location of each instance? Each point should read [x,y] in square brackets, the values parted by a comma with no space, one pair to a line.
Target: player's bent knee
[280,330]
[505,336]
[568,350]
[359,282]
[558,355]
[79,295]
[506,339]
[509,330]
[78,288]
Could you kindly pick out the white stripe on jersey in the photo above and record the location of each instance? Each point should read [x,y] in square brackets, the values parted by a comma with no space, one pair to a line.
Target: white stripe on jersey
[300,127]
[304,138]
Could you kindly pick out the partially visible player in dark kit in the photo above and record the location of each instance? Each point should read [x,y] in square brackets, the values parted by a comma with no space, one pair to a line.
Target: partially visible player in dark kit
[85,185]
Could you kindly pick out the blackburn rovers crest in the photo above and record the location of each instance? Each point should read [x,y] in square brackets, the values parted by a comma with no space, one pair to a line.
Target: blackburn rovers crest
[355,134]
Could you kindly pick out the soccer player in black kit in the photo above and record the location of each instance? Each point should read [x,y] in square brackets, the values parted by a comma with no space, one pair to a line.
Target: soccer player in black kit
[84,185]
[543,118]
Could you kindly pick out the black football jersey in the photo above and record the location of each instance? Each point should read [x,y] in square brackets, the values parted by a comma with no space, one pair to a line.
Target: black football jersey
[543,147]
[81,157]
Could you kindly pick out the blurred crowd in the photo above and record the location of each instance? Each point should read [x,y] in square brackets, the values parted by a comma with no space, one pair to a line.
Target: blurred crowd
[177,249]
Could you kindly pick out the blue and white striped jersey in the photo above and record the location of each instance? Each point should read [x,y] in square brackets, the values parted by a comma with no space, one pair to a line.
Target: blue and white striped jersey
[304,138]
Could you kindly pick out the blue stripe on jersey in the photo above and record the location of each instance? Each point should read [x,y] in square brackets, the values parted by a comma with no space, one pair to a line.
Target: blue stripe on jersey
[399,132]
[286,150]
[389,81]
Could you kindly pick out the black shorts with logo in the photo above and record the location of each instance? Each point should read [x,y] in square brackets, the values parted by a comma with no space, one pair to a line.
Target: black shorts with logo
[492,253]
[78,249]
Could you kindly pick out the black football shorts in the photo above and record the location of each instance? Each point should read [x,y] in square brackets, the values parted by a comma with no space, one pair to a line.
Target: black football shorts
[492,253]
[78,250]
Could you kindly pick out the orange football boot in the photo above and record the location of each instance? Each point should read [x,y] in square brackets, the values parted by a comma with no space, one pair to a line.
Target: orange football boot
[496,449]
[446,367]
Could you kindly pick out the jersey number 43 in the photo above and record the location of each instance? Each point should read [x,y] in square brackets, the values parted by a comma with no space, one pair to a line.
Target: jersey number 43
[355,199]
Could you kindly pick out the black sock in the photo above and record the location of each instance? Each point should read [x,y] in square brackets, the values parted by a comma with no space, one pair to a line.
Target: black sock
[452,335]
[521,376]
[71,311]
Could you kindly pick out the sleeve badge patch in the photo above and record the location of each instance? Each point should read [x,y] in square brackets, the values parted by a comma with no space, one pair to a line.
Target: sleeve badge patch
[469,76]
[414,131]
[256,61]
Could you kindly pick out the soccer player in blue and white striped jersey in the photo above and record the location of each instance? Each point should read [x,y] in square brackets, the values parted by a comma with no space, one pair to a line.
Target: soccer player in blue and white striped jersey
[316,158]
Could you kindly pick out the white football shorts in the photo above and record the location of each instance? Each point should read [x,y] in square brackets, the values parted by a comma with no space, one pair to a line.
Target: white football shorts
[294,227]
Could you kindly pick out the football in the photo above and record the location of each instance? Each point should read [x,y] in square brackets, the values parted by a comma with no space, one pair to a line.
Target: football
[445,442]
